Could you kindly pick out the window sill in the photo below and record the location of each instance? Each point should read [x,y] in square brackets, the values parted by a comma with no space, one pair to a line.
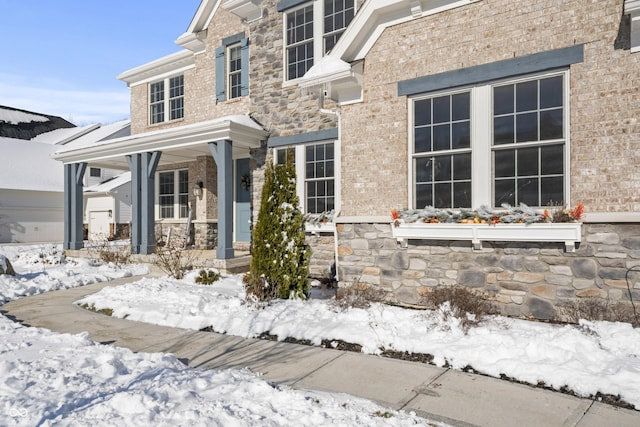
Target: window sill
[568,233]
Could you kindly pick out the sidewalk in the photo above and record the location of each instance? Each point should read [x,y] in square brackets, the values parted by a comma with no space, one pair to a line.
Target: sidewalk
[439,394]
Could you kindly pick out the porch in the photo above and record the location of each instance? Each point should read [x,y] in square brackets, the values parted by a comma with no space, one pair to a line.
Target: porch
[211,154]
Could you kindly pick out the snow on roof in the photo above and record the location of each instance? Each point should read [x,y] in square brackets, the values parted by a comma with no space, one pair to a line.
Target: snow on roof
[81,143]
[16,117]
[111,184]
[103,133]
[27,166]
[63,135]
[328,68]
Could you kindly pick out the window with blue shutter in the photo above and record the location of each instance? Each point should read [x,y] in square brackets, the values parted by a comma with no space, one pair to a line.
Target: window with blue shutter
[232,68]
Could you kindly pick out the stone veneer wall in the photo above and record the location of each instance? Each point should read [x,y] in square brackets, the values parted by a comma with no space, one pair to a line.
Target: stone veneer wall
[322,264]
[524,279]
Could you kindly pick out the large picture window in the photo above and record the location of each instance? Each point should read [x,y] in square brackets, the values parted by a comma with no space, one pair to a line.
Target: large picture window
[495,143]
[173,194]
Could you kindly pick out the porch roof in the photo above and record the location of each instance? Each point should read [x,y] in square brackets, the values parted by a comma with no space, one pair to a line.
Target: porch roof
[178,144]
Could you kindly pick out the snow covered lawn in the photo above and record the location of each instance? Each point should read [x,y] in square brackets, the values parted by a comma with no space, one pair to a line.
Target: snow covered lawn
[594,357]
[60,379]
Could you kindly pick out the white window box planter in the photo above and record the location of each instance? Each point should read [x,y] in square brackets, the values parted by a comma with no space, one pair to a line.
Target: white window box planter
[314,228]
[568,233]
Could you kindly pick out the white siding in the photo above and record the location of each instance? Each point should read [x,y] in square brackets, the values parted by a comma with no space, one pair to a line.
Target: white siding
[31,216]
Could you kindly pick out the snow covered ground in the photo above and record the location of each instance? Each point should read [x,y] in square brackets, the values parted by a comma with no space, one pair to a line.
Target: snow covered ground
[60,379]
[589,358]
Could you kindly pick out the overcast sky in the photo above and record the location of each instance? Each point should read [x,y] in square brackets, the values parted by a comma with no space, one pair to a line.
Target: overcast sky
[61,57]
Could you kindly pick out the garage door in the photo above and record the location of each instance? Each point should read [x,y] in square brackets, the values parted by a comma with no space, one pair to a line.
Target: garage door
[99,225]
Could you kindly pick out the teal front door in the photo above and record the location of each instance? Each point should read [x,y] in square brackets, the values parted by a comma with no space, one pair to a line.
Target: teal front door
[243,201]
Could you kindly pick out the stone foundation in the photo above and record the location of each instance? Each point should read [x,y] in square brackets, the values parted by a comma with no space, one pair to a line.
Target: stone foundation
[523,279]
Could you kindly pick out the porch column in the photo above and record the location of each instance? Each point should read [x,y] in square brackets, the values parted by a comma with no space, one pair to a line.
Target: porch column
[73,204]
[221,151]
[143,177]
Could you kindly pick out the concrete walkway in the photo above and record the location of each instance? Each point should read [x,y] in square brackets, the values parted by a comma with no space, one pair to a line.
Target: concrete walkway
[438,394]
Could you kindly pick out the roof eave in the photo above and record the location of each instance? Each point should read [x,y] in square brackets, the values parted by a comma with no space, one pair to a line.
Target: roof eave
[175,138]
[166,64]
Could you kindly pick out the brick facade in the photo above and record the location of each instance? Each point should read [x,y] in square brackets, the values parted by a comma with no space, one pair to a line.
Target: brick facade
[524,279]
[604,103]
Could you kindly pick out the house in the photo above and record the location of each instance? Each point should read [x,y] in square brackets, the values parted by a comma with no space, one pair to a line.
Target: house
[107,192]
[31,183]
[108,208]
[31,187]
[394,104]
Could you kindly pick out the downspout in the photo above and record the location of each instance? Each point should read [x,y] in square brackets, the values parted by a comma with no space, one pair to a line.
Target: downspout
[336,113]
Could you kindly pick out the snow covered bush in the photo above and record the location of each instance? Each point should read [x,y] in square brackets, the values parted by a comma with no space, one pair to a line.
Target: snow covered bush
[280,257]
[467,305]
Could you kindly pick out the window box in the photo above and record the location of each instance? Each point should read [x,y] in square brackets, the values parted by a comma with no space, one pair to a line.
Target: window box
[319,227]
[569,233]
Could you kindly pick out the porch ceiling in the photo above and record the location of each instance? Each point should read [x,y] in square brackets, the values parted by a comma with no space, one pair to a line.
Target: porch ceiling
[179,144]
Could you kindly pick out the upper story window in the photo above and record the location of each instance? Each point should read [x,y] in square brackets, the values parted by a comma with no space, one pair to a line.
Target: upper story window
[311,30]
[299,42]
[337,15]
[95,172]
[232,68]
[166,95]
[173,194]
[495,143]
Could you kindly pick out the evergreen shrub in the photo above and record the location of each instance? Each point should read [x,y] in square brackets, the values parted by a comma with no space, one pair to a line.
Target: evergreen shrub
[280,258]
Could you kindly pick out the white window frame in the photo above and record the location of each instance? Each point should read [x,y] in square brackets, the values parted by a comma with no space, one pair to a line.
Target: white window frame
[317,39]
[167,100]
[482,171]
[300,165]
[229,73]
[176,195]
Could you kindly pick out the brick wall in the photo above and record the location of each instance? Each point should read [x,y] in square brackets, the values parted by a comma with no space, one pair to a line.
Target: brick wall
[523,279]
[604,110]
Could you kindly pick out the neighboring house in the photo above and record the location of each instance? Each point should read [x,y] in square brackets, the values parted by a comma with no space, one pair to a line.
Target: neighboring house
[31,182]
[108,208]
[392,104]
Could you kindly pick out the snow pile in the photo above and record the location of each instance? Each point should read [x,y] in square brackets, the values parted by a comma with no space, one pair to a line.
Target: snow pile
[590,358]
[59,379]
[42,268]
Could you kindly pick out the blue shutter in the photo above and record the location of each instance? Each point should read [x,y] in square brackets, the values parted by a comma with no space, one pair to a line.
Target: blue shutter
[220,74]
[244,74]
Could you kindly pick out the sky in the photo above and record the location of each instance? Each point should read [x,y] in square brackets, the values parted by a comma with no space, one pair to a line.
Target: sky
[62,57]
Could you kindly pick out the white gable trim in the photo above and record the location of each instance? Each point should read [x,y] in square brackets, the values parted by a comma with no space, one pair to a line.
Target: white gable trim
[376,15]
[345,85]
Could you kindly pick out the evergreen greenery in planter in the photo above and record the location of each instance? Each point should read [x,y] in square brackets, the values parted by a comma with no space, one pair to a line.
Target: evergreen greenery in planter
[280,258]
